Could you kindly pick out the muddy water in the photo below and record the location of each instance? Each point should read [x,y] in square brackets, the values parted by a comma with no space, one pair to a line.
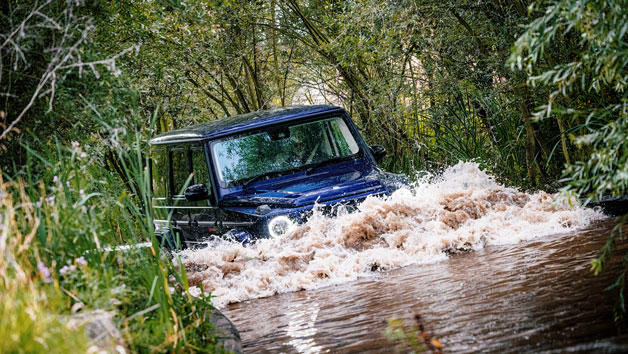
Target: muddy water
[490,268]
[462,210]
[532,296]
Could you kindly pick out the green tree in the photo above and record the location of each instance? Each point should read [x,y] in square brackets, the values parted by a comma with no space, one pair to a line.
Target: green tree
[588,89]
[43,45]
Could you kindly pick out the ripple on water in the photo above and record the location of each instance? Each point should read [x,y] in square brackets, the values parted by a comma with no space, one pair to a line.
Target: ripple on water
[529,297]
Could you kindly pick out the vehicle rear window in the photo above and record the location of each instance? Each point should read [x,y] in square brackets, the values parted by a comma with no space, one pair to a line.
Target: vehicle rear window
[180,170]
[199,166]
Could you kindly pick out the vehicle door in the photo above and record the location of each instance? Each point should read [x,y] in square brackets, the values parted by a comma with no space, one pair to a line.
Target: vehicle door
[187,166]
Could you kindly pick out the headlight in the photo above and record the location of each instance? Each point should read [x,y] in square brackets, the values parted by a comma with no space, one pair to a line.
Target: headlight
[280,226]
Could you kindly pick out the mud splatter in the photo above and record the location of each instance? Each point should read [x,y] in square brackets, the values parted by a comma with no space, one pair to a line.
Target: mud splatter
[461,211]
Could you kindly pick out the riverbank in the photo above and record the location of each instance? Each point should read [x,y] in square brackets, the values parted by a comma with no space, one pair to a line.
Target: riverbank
[66,248]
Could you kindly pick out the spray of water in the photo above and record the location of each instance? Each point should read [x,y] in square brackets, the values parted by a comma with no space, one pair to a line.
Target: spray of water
[462,210]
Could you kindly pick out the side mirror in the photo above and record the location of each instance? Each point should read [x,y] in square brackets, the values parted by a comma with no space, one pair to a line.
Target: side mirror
[378,152]
[196,192]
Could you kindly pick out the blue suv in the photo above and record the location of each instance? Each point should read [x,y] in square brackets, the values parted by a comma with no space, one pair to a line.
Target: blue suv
[259,175]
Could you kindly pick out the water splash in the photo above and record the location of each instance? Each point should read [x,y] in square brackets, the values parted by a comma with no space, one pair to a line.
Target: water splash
[464,209]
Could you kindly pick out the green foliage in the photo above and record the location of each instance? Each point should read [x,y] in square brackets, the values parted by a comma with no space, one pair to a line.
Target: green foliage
[29,320]
[588,87]
[412,338]
[415,76]
[79,219]
[599,68]
[45,48]
[214,55]
[492,138]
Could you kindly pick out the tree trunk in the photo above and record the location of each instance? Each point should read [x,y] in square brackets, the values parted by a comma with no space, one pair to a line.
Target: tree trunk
[273,36]
[530,144]
[563,140]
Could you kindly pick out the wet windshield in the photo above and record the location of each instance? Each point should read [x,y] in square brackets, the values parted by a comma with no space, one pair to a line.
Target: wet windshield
[283,148]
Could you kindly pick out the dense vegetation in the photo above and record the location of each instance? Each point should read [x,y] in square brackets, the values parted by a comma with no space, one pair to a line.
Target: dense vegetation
[535,92]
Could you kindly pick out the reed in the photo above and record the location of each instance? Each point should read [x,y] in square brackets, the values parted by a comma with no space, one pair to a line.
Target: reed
[64,217]
[28,310]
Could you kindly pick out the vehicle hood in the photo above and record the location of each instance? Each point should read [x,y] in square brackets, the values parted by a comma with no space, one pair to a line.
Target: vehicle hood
[308,189]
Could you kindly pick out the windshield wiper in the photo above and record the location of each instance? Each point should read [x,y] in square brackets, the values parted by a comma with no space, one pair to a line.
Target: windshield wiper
[248,182]
[319,164]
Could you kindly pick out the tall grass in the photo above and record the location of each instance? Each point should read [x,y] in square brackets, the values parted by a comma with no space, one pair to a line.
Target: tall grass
[60,252]
[28,319]
[470,126]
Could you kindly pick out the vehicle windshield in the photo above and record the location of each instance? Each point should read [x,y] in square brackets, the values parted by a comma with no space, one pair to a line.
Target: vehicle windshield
[288,147]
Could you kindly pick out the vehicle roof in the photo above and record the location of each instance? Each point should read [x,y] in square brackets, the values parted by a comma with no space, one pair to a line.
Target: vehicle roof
[238,123]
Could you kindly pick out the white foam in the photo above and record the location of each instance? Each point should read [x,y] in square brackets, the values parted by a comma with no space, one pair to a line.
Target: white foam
[464,209]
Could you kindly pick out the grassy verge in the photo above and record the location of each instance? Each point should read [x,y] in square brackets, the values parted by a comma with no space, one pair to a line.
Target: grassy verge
[62,217]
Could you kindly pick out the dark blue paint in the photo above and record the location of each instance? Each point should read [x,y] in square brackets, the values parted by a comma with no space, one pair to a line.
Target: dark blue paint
[241,123]
[295,194]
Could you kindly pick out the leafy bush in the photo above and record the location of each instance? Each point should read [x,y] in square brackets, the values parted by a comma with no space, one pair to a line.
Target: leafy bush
[598,71]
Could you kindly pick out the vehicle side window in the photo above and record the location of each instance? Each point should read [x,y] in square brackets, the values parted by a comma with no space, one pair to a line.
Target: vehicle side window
[159,172]
[199,166]
[180,170]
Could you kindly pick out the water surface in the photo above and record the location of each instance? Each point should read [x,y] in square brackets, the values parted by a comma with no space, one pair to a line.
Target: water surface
[532,296]
[489,268]
[464,209]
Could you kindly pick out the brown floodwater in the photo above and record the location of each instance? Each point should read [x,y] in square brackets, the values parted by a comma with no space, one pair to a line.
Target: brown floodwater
[531,296]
